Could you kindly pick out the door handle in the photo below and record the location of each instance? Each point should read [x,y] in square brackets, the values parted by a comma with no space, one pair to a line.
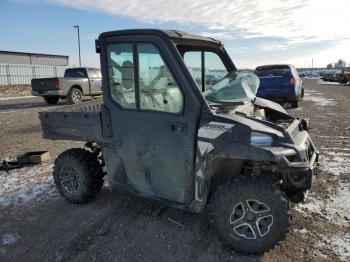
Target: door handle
[178,128]
[117,141]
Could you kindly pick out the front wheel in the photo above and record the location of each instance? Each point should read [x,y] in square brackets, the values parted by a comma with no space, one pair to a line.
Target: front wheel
[251,215]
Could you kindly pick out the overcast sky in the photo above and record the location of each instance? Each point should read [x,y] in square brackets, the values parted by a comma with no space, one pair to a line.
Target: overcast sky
[254,32]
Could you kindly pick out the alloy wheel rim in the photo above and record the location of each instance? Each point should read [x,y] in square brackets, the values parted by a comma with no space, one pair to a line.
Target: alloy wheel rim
[251,219]
[70,180]
[76,96]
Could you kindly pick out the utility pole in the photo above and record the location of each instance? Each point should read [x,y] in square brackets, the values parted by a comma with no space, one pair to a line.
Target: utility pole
[77,27]
[312,65]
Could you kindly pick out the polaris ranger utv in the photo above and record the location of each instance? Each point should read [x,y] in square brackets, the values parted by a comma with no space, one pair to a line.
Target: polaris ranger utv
[160,135]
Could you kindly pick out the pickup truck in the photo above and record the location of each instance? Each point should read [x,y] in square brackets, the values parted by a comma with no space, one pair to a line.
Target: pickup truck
[157,136]
[76,83]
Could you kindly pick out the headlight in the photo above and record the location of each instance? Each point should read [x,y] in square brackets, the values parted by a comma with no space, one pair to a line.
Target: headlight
[260,139]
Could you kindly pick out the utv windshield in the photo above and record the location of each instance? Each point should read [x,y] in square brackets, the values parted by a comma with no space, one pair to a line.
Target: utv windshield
[235,87]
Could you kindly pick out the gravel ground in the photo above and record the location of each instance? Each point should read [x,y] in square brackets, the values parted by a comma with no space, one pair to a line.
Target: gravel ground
[36,224]
[15,90]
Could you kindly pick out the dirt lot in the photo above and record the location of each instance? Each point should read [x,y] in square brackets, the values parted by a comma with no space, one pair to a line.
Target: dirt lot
[15,90]
[36,224]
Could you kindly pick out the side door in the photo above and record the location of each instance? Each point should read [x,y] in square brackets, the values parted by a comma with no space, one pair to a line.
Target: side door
[94,81]
[154,115]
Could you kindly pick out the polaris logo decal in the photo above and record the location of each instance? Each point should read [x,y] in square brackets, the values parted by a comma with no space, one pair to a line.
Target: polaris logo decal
[218,126]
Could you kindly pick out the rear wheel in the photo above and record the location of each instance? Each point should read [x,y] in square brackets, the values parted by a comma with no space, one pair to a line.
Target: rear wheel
[302,93]
[75,95]
[78,175]
[251,215]
[51,100]
[295,104]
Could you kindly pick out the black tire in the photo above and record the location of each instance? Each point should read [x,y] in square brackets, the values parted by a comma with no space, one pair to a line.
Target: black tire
[295,104]
[78,175]
[302,93]
[266,207]
[51,100]
[75,95]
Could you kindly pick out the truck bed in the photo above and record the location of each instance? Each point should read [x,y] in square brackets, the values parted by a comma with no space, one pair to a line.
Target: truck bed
[81,122]
[44,84]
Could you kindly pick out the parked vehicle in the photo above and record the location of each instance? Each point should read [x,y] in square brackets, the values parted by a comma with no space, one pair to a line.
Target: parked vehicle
[156,135]
[342,77]
[210,80]
[280,83]
[76,83]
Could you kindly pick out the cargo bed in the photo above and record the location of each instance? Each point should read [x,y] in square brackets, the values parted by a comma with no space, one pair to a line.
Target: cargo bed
[81,122]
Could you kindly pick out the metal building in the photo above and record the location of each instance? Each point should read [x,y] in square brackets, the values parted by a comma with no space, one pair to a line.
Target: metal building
[9,57]
[20,68]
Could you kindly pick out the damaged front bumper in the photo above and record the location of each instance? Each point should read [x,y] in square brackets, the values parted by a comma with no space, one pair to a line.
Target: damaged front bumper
[298,175]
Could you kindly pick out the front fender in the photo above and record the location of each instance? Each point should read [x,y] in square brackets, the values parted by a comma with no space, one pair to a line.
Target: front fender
[250,152]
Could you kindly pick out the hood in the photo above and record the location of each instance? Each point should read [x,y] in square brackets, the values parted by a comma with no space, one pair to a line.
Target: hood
[253,124]
[264,103]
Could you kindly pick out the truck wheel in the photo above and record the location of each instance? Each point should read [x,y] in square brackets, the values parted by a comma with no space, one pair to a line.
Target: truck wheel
[295,104]
[51,100]
[78,175]
[75,95]
[251,215]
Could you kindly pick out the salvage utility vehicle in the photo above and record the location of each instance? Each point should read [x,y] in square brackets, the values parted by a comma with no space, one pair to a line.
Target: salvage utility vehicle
[158,134]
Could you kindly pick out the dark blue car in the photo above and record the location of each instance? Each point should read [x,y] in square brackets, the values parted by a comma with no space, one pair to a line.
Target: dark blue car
[280,83]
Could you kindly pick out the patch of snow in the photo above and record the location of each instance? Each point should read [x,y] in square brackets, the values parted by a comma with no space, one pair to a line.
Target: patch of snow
[342,246]
[335,163]
[336,209]
[28,184]
[336,137]
[313,92]
[339,244]
[14,97]
[331,153]
[300,231]
[9,239]
[335,148]
[320,101]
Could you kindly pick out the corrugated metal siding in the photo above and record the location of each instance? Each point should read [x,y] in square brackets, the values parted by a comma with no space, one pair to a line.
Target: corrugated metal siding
[47,60]
[32,59]
[11,74]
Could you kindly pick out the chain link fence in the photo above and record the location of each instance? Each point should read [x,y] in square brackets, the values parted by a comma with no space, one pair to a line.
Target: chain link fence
[16,74]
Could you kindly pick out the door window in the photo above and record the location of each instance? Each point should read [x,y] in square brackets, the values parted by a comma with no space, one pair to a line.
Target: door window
[121,74]
[98,72]
[75,72]
[92,73]
[158,88]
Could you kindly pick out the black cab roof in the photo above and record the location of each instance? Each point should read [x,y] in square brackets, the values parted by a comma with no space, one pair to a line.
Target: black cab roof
[175,35]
